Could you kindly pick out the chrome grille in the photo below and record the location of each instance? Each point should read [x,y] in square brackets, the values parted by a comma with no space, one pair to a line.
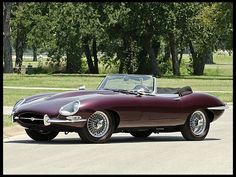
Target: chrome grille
[31,118]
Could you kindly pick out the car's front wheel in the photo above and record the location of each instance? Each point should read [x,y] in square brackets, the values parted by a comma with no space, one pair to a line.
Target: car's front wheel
[141,134]
[98,129]
[196,126]
[40,135]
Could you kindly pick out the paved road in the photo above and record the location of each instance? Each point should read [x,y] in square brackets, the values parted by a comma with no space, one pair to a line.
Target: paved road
[159,154]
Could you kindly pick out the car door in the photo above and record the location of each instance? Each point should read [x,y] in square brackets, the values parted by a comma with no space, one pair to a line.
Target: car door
[128,107]
[161,110]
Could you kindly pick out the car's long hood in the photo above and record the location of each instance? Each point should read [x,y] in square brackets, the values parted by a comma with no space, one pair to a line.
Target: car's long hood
[51,104]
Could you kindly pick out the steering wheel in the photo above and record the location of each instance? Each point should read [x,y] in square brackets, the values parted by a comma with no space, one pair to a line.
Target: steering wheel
[137,87]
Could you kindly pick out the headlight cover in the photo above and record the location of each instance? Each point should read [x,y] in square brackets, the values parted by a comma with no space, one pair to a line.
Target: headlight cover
[18,103]
[70,108]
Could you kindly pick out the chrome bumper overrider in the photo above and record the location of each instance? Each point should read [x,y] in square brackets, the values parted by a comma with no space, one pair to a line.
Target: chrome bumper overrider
[218,107]
[70,119]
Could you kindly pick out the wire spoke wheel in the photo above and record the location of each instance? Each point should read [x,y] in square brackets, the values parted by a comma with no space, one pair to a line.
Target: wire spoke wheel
[197,123]
[99,128]
[98,124]
[196,126]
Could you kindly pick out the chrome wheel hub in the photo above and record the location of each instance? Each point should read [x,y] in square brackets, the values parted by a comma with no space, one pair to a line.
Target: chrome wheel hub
[98,124]
[197,122]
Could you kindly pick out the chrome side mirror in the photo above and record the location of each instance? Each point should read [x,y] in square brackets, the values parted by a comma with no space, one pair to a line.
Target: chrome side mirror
[82,87]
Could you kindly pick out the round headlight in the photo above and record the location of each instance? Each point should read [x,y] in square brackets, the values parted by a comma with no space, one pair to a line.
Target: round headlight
[76,106]
[70,108]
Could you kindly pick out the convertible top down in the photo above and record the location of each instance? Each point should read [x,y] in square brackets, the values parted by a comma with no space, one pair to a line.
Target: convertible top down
[121,103]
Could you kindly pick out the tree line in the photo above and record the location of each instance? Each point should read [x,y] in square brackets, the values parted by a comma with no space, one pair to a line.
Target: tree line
[135,37]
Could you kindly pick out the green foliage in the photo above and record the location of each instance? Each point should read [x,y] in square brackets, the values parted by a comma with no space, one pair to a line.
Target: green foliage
[129,36]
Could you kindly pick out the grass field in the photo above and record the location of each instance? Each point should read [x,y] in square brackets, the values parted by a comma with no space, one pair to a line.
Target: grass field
[217,77]
[74,81]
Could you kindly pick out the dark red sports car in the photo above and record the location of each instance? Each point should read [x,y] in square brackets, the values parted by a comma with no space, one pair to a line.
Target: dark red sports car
[122,103]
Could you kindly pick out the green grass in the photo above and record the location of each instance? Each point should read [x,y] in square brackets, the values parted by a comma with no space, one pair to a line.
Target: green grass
[57,80]
[198,83]
[223,59]
[225,97]
[7,121]
[223,66]
[12,95]
[218,70]
[217,77]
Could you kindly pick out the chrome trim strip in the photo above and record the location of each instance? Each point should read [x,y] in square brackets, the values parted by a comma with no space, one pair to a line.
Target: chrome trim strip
[28,118]
[47,121]
[154,85]
[218,107]
[65,121]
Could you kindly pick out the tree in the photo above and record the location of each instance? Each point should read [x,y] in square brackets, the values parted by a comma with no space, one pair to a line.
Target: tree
[206,28]
[7,48]
[21,25]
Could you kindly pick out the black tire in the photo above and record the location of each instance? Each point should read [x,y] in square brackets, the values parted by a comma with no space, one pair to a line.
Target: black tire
[88,132]
[141,134]
[39,135]
[188,132]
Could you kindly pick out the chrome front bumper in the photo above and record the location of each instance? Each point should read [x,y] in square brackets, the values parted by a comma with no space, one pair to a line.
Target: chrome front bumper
[70,119]
[219,107]
[48,121]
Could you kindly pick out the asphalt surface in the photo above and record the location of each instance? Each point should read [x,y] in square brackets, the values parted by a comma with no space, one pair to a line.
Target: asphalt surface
[166,153]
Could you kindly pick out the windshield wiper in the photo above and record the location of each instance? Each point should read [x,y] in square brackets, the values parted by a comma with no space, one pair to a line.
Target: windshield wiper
[135,92]
[117,90]
[120,90]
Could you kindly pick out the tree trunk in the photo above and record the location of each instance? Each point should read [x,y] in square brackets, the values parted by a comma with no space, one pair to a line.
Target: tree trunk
[167,53]
[128,66]
[198,60]
[209,57]
[154,70]
[181,56]
[153,60]
[7,49]
[89,57]
[127,55]
[198,65]
[142,62]
[73,62]
[174,55]
[121,67]
[19,51]
[95,58]
[156,47]
[34,53]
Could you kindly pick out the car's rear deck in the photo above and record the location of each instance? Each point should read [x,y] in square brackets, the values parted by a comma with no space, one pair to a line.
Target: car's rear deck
[180,91]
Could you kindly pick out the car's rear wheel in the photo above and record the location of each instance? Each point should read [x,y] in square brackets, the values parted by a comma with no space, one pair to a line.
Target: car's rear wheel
[98,129]
[141,134]
[40,135]
[196,126]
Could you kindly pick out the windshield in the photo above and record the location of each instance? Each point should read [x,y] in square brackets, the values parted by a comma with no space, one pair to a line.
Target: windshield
[143,83]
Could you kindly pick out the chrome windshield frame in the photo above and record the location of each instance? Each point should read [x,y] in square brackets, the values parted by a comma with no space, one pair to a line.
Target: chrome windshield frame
[104,81]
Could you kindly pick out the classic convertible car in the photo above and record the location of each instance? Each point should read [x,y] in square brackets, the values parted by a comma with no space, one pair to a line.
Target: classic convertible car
[122,103]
